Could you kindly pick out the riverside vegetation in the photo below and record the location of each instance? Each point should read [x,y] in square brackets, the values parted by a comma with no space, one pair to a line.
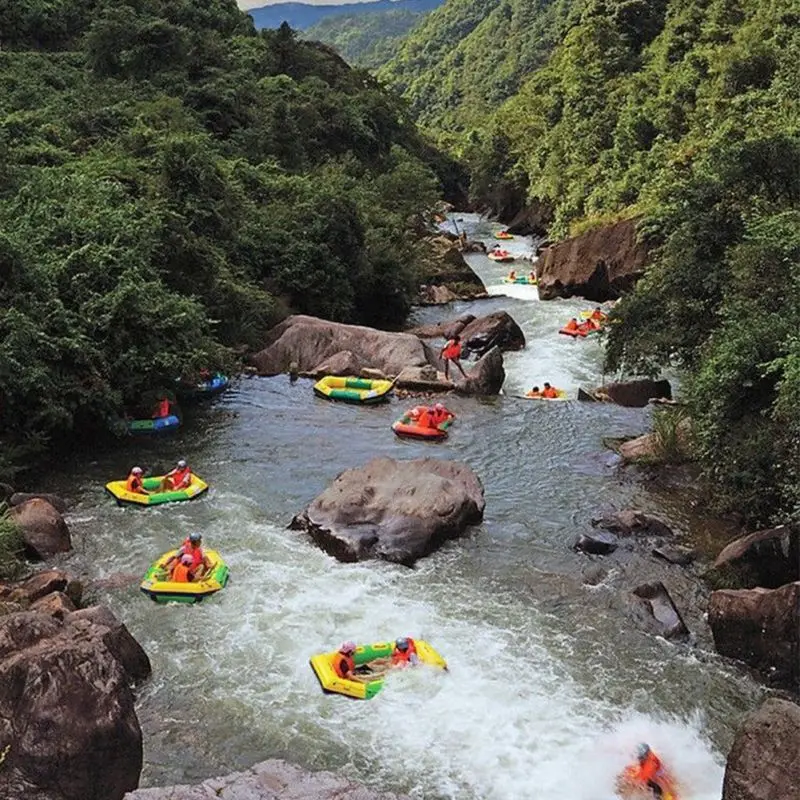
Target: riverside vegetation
[683,114]
[173,182]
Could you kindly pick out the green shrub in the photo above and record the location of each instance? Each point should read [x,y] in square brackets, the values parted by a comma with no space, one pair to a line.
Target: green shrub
[11,562]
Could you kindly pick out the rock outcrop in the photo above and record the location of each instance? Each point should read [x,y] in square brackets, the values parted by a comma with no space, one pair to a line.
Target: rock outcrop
[498,329]
[44,531]
[67,720]
[485,377]
[768,558]
[444,266]
[398,511]
[760,627]
[532,220]
[764,762]
[269,780]
[443,330]
[630,522]
[660,613]
[58,503]
[634,394]
[599,265]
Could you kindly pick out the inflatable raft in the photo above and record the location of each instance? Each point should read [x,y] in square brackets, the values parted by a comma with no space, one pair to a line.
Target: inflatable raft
[378,657]
[157,425]
[523,279]
[156,586]
[122,495]
[406,428]
[353,390]
[583,330]
[503,235]
[501,256]
[560,395]
[219,383]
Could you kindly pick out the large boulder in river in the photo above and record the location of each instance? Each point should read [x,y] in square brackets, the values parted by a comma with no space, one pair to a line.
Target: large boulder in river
[398,511]
[764,762]
[443,330]
[760,627]
[310,342]
[269,780]
[58,503]
[498,329]
[659,611]
[485,377]
[768,558]
[598,265]
[44,531]
[67,714]
[635,394]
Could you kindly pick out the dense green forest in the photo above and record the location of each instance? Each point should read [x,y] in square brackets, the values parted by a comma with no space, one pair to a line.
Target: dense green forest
[172,182]
[365,40]
[685,114]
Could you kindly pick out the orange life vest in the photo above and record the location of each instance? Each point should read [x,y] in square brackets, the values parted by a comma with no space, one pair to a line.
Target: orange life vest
[178,476]
[134,484]
[452,350]
[196,553]
[572,325]
[404,656]
[549,392]
[343,665]
[598,315]
[181,573]
[424,419]
[650,768]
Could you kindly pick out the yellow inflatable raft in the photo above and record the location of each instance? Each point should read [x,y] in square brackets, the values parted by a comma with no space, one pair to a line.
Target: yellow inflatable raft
[156,586]
[378,658]
[353,390]
[122,495]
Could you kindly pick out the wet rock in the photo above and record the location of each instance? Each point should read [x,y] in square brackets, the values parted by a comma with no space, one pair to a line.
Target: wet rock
[269,780]
[593,575]
[58,503]
[44,583]
[56,605]
[642,448]
[630,522]
[764,762]
[760,627]
[372,374]
[599,265]
[393,510]
[485,377]
[423,379]
[596,543]
[343,363]
[66,713]
[445,264]
[443,330]
[769,558]
[635,394]
[498,329]
[310,342]
[681,556]
[532,220]
[44,531]
[665,620]
[435,295]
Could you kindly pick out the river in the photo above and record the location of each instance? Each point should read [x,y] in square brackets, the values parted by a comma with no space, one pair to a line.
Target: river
[551,683]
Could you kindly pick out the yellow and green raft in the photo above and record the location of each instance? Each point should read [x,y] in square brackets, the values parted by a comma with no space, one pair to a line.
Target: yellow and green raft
[378,657]
[122,495]
[157,586]
[353,390]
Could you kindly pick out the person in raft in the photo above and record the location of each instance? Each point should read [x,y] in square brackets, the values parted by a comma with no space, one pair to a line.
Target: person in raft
[572,325]
[598,315]
[438,414]
[343,664]
[452,352]
[535,392]
[650,770]
[193,547]
[178,478]
[404,653]
[532,277]
[135,483]
[549,392]
[182,571]
[162,408]
[512,276]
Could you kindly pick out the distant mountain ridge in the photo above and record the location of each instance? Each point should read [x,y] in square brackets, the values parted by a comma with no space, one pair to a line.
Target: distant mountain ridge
[303,15]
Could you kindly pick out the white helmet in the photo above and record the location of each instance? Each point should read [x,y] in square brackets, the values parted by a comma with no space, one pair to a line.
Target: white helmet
[137,470]
[181,464]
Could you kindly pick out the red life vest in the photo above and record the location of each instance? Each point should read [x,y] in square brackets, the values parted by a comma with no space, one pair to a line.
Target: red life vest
[452,350]
[343,665]
[196,553]
[162,409]
[404,656]
[178,476]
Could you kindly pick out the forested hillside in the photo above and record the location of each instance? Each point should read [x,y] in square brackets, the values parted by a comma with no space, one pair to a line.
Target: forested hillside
[686,114]
[171,183]
[365,40]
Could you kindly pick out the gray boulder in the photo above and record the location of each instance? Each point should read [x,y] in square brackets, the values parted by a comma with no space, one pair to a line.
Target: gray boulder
[58,503]
[398,511]
[44,531]
[659,611]
[498,329]
[269,780]
[764,762]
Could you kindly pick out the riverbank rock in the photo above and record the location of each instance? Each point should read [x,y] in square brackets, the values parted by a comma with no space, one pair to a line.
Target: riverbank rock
[269,780]
[768,558]
[764,762]
[443,330]
[443,265]
[761,628]
[498,329]
[58,503]
[599,265]
[435,295]
[630,522]
[596,543]
[660,612]
[44,531]
[311,342]
[532,220]
[634,394]
[66,710]
[643,448]
[397,511]
[484,378]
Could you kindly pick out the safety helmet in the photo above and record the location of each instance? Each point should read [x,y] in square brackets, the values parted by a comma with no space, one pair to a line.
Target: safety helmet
[186,559]
[439,407]
[347,647]
[402,643]
[413,413]
[181,464]
[195,537]
[137,470]
[642,750]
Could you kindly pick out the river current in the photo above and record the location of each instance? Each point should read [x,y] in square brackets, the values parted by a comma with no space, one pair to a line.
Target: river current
[551,683]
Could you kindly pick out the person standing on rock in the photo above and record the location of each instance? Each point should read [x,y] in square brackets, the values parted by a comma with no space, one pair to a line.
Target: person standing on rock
[452,352]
